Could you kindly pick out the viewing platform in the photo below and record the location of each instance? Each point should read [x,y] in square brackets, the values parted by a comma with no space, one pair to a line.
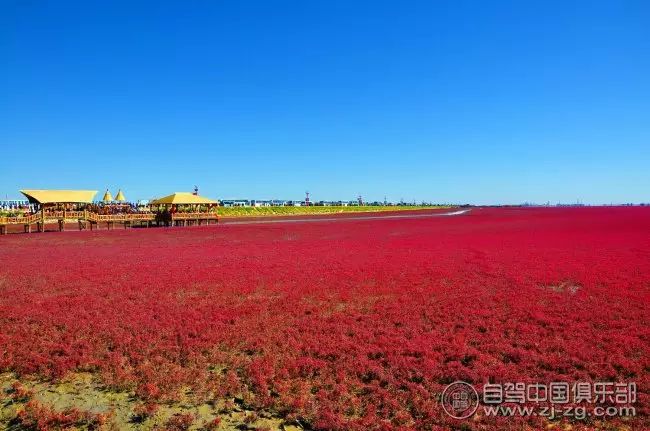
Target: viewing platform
[90,220]
[178,209]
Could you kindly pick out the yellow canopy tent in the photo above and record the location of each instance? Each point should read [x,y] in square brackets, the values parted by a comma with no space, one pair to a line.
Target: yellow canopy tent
[182,198]
[107,197]
[120,196]
[59,196]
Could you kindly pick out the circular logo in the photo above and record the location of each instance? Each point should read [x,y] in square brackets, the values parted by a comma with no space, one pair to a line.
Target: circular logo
[459,400]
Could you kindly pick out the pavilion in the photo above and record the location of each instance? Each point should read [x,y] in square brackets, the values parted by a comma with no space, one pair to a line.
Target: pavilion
[59,204]
[179,209]
[183,198]
[185,208]
[120,196]
[56,197]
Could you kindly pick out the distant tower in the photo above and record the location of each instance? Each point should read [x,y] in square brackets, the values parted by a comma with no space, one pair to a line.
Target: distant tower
[360,200]
[307,203]
[385,201]
[196,191]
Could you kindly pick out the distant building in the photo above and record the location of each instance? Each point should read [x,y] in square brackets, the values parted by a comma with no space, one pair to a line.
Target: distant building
[235,203]
[260,203]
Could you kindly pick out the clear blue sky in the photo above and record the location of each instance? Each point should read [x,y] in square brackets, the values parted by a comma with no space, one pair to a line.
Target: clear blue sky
[482,102]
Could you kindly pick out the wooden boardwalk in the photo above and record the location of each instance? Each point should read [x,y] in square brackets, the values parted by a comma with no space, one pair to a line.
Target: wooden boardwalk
[90,220]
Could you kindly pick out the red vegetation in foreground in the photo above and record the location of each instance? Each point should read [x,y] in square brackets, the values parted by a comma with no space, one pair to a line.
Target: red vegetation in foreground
[36,416]
[340,325]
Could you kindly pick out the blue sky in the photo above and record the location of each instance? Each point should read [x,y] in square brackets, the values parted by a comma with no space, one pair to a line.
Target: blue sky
[481,102]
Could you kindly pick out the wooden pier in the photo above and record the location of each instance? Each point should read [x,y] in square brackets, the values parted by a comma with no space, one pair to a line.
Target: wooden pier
[76,206]
[91,220]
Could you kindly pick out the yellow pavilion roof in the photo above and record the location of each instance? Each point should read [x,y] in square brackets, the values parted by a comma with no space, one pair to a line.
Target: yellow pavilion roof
[181,198]
[120,196]
[107,196]
[60,196]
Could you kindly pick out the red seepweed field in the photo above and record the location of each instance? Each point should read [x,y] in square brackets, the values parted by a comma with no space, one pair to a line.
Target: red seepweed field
[328,325]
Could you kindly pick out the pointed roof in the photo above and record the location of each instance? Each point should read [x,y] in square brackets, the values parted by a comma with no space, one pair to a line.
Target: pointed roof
[181,198]
[120,196]
[60,196]
[107,196]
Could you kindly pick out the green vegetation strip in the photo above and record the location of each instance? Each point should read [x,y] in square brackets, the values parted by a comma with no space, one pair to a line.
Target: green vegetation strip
[280,211]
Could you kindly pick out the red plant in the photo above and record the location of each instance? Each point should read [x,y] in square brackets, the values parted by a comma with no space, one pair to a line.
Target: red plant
[39,417]
[349,325]
[20,393]
[179,422]
[143,411]
[212,425]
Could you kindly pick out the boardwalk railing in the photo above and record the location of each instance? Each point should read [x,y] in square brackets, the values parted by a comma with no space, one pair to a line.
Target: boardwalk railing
[194,216]
[26,219]
[89,219]
[97,218]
